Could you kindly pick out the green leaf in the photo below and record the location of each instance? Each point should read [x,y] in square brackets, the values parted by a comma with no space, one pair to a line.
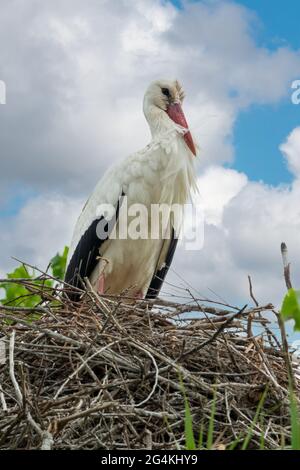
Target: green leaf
[255,419]
[20,272]
[188,427]
[58,264]
[201,434]
[18,295]
[210,432]
[190,443]
[291,307]
[295,422]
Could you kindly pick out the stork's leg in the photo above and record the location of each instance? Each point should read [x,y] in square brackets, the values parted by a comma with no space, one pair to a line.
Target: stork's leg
[139,295]
[101,284]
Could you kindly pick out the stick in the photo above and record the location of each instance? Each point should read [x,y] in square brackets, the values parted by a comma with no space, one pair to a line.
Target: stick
[217,333]
[285,346]
[12,369]
[286,266]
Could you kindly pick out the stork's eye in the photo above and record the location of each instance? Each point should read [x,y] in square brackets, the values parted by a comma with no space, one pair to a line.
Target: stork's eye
[166,92]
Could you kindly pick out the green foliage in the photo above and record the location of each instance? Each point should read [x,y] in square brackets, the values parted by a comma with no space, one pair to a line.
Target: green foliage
[295,422]
[190,443]
[291,307]
[58,264]
[248,438]
[188,426]
[188,421]
[241,442]
[210,431]
[16,294]
[262,436]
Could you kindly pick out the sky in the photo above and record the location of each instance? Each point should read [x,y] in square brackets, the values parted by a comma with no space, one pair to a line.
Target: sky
[75,74]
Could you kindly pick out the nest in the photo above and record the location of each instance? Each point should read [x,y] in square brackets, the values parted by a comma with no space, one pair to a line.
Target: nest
[105,374]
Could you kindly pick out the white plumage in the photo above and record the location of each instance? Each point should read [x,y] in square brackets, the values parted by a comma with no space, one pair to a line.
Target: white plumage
[161,173]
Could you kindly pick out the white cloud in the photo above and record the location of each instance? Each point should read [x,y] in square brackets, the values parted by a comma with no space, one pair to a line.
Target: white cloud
[245,225]
[291,151]
[41,229]
[217,186]
[76,73]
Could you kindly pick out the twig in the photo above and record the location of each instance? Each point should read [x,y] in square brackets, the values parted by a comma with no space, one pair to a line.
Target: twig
[286,266]
[12,369]
[82,365]
[115,374]
[285,346]
[47,438]
[156,373]
[216,334]
[2,399]
[250,317]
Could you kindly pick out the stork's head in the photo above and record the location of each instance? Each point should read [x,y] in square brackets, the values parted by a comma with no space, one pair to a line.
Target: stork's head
[162,102]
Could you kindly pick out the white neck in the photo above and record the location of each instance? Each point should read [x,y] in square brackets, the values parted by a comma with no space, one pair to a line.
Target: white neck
[179,162]
[157,119]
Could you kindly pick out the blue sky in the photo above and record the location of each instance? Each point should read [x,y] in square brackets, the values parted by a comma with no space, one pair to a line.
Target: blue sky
[257,135]
[260,130]
[280,21]
[12,206]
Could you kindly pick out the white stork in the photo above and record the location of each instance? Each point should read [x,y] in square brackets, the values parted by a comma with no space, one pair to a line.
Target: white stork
[161,173]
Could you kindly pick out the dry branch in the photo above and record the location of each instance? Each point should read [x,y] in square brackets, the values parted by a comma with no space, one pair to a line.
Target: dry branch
[106,374]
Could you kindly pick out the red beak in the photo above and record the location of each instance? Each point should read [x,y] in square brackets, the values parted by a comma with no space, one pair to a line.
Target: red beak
[175,112]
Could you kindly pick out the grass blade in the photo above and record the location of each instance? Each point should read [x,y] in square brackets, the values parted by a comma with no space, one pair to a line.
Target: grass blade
[255,419]
[188,427]
[210,433]
[295,423]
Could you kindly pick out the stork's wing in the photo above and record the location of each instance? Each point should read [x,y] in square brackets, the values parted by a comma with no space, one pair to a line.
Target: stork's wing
[85,255]
[160,274]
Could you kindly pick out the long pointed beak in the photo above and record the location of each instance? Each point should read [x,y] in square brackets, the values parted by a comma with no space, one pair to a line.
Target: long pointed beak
[175,112]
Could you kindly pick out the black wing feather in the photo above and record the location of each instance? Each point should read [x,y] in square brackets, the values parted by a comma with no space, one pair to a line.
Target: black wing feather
[159,276]
[85,257]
